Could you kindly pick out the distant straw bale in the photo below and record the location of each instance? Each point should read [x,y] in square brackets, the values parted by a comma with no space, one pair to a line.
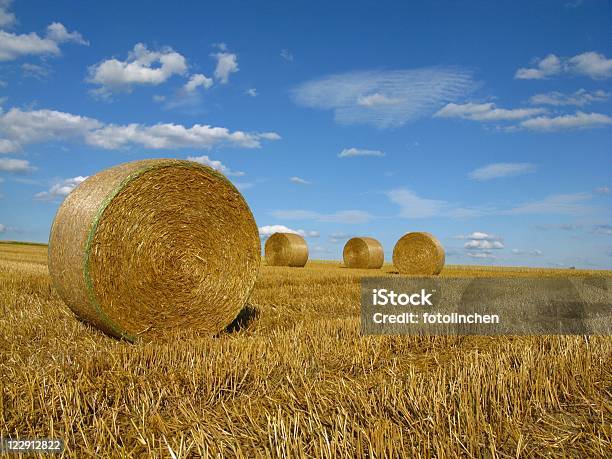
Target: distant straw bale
[286,249]
[363,253]
[155,246]
[418,253]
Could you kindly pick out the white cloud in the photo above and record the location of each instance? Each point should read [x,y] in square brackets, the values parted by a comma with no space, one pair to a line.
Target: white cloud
[19,127]
[384,98]
[579,120]
[13,46]
[2,228]
[483,244]
[372,100]
[215,164]
[34,71]
[251,92]
[550,65]
[498,170]
[60,189]
[532,253]
[142,67]
[350,152]
[479,236]
[269,230]
[579,98]
[591,64]
[567,204]
[227,63]
[59,34]
[15,165]
[413,206]
[286,54]
[342,216]
[602,190]
[299,181]
[485,112]
[485,255]
[196,81]
[7,18]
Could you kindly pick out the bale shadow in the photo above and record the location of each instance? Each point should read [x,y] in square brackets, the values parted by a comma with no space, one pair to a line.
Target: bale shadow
[244,318]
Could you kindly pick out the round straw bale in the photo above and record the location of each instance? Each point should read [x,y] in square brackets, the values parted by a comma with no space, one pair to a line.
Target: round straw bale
[150,247]
[364,253]
[286,249]
[418,253]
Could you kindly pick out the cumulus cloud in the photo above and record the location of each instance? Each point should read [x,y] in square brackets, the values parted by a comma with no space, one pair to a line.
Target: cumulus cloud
[602,190]
[142,67]
[579,98]
[197,80]
[251,92]
[550,65]
[485,112]
[299,181]
[579,120]
[20,127]
[269,230]
[351,152]
[59,34]
[482,244]
[215,164]
[499,170]
[342,216]
[384,98]
[590,64]
[60,189]
[227,63]
[479,236]
[15,165]
[14,46]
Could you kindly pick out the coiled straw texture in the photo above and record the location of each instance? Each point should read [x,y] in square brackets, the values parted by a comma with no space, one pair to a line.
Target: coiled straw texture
[150,247]
[286,249]
[418,253]
[363,253]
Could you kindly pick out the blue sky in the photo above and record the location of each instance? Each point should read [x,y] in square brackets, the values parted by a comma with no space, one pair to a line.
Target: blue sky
[488,124]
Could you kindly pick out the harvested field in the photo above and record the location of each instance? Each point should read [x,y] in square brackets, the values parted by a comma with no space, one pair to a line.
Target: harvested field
[294,378]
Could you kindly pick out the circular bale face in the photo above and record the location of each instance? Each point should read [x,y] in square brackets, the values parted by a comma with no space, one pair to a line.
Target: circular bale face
[286,249]
[418,253]
[153,247]
[363,253]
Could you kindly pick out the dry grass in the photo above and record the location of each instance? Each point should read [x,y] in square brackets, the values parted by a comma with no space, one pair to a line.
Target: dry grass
[296,380]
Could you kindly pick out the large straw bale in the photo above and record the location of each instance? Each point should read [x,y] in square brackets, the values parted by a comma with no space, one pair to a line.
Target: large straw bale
[418,253]
[363,253]
[155,246]
[286,249]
